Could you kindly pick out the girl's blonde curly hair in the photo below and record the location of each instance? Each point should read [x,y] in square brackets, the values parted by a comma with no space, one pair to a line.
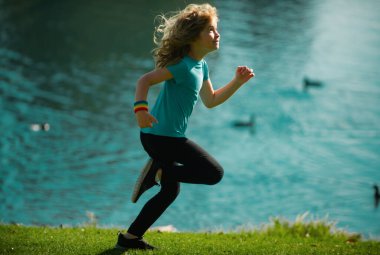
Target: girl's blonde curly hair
[174,34]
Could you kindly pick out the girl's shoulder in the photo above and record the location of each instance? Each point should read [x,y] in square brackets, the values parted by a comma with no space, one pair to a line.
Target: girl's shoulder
[178,68]
[185,64]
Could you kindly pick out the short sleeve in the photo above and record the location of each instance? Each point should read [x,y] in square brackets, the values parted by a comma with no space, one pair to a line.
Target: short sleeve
[178,70]
[205,71]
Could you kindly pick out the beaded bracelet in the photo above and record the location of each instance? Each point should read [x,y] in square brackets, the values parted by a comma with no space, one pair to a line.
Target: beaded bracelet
[141,106]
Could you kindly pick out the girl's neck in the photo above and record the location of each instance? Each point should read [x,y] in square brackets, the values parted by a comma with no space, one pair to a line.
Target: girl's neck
[197,55]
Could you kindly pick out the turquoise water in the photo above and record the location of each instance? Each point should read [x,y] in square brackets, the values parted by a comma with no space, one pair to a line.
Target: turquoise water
[74,64]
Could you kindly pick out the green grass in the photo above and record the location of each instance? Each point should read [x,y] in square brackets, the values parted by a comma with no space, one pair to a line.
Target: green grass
[281,237]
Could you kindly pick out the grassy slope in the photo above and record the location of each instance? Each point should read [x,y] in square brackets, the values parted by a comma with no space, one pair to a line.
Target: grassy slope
[281,238]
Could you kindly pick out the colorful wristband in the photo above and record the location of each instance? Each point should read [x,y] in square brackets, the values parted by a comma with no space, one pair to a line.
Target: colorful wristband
[141,106]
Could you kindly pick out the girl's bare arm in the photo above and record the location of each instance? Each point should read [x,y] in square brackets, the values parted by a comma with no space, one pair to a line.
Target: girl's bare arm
[212,98]
[144,118]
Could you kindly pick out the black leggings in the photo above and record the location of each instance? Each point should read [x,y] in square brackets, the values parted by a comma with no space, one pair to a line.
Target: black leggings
[181,160]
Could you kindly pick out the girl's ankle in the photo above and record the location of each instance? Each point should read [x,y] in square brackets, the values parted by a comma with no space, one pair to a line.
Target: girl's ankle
[158,175]
[130,236]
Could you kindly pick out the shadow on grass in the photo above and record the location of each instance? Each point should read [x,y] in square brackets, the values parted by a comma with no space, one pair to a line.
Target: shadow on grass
[112,251]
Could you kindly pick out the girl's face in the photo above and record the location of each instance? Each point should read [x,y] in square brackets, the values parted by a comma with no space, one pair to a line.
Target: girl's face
[208,39]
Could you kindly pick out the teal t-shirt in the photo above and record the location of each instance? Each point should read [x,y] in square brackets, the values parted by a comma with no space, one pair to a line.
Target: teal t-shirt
[178,97]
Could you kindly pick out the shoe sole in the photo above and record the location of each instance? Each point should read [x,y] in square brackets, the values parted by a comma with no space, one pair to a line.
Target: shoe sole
[140,180]
[122,248]
[119,247]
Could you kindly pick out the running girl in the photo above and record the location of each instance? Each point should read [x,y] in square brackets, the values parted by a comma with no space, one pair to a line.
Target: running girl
[183,40]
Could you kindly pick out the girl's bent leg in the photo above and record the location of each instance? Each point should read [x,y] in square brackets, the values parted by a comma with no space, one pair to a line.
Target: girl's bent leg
[181,160]
[195,164]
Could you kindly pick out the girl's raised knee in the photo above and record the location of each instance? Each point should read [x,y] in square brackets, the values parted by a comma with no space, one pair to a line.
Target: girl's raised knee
[217,176]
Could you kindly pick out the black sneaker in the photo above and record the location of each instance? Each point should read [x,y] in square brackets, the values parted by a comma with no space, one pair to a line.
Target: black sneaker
[146,180]
[137,243]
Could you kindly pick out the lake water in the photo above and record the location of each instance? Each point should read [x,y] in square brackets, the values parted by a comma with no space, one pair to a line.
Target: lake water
[74,65]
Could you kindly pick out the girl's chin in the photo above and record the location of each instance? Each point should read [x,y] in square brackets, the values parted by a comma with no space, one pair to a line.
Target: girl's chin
[213,48]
